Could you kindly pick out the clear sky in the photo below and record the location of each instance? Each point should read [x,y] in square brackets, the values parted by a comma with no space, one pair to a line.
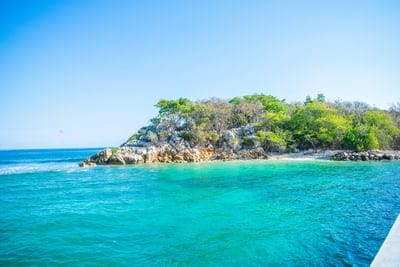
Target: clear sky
[82,73]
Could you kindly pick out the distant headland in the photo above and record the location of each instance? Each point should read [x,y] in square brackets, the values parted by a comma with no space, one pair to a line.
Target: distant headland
[256,126]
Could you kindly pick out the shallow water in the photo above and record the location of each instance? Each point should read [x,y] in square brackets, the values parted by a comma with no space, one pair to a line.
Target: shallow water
[236,213]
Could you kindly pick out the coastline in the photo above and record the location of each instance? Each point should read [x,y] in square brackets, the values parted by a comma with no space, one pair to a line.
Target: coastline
[304,155]
[254,127]
[127,157]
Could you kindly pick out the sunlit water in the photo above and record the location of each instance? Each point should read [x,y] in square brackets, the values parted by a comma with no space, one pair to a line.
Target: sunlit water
[226,213]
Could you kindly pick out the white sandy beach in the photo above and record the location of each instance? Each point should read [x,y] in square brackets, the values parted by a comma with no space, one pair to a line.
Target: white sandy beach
[304,155]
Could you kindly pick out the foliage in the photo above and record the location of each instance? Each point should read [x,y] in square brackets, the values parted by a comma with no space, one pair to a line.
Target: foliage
[167,107]
[250,141]
[188,135]
[277,125]
[115,150]
[361,138]
[134,137]
[272,141]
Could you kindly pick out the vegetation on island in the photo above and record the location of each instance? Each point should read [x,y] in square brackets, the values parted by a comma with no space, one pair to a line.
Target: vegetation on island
[274,124]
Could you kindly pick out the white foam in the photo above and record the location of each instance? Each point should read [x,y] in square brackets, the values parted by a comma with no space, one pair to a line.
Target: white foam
[39,167]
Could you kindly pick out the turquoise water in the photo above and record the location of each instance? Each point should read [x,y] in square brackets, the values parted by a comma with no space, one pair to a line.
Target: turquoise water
[253,213]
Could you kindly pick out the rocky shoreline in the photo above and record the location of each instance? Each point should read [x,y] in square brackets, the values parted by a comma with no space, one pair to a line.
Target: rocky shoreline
[236,144]
[126,155]
[255,127]
[366,156]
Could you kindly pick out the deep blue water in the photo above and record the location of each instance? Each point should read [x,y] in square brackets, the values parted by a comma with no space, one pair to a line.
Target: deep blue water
[257,213]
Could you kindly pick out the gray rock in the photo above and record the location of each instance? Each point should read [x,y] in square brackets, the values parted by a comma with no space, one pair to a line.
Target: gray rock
[365,156]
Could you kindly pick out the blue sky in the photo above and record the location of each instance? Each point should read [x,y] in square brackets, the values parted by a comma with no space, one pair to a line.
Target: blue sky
[87,73]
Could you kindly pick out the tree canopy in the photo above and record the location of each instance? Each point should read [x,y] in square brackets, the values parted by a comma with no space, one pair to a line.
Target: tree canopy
[280,126]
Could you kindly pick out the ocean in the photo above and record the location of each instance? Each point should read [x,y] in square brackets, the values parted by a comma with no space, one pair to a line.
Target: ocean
[240,213]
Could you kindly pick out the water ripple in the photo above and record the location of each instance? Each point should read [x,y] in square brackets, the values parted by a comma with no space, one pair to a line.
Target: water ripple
[246,213]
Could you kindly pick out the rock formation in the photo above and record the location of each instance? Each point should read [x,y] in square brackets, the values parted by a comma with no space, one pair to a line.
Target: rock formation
[365,156]
[148,149]
[251,126]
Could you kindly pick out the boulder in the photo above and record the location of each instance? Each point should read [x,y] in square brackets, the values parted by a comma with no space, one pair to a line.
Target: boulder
[256,153]
[116,159]
[100,158]
[365,156]
[86,164]
[226,155]
[388,156]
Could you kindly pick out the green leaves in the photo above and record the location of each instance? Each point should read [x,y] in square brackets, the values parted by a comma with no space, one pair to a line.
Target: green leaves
[361,138]
[182,106]
[268,102]
[320,125]
[377,130]
[279,126]
[273,141]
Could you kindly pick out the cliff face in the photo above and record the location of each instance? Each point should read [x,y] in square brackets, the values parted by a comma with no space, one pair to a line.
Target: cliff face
[237,143]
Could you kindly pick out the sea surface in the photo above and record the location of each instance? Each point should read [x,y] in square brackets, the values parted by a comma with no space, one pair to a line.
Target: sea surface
[242,213]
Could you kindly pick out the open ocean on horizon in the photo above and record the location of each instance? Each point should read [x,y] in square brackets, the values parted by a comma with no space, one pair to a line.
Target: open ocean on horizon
[241,213]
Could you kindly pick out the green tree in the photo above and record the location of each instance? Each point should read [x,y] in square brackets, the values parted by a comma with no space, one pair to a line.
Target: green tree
[270,103]
[361,138]
[384,128]
[317,125]
[182,106]
[331,129]
[272,141]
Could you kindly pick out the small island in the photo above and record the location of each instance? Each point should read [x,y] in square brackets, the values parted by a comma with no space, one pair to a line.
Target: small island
[256,126]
